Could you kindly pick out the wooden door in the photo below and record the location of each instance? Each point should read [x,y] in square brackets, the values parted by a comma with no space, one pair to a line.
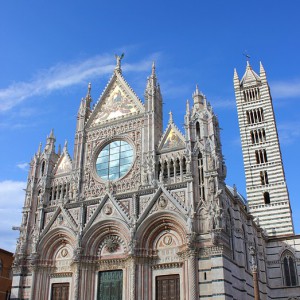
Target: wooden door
[60,291]
[110,285]
[167,287]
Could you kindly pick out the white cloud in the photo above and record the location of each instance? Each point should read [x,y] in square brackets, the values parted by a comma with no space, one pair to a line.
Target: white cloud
[283,89]
[23,166]
[223,104]
[64,75]
[11,202]
[288,132]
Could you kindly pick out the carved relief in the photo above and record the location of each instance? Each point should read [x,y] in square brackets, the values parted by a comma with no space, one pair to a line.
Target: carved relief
[125,204]
[107,209]
[116,104]
[90,211]
[162,202]
[75,212]
[179,195]
[111,244]
[144,200]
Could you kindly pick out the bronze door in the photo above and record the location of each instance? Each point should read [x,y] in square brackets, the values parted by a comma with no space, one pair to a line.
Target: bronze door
[167,287]
[110,285]
[60,291]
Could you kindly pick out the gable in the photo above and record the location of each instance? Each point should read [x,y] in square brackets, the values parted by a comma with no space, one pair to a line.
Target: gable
[172,139]
[64,164]
[117,102]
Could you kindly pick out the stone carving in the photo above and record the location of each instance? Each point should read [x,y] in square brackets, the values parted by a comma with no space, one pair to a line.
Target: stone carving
[179,195]
[108,209]
[111,244]
[60,219]
[162,202]
[64,252]
[168,240]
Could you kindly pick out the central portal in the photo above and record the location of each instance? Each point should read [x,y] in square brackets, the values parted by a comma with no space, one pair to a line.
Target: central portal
[110,285]
[167,287]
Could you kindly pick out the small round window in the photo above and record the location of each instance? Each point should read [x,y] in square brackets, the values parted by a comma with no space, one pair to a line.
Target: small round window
[114,160]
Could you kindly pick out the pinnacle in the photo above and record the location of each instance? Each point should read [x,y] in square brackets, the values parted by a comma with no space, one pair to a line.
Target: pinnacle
[51,136]
[89,89]
[171,117]
[66,145]
[40,148]
[153,69]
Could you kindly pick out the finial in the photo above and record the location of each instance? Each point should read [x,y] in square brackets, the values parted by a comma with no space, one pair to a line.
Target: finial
[187,105]
[197,89]
[119,59]
[89,89]
[247,58]
[65,145]
[262,72]
[51,136]
[59,150]
[153,68]
[40,148]
[171,117]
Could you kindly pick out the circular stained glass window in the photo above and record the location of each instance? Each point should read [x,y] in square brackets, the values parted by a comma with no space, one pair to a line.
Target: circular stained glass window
[114,160]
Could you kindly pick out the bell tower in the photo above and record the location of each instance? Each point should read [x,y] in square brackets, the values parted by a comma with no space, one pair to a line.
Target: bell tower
[267,192]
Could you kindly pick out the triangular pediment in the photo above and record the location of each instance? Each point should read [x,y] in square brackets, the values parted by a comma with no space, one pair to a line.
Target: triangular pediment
[162,200]
[118,101]
[60,218]
[108,207]
[172,139]
[64,164]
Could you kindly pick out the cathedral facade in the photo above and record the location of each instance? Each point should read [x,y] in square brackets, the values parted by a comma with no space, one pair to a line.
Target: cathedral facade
[143,213]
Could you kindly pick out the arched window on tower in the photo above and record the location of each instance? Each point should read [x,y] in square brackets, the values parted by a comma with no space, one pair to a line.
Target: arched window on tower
[43,168]
[198,131]
[184,165]
[267,198]
[201,176]
[264,178]
[288,269]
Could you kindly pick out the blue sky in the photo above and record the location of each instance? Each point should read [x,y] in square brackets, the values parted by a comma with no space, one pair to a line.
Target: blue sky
[51,50]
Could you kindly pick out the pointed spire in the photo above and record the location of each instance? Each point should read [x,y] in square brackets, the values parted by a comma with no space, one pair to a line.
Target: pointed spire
[88,98]
[51,135]
[89,89]
[187,106]
[59,150]
[250,78]
[236,80]
[170,117]
[262,72]
[65,146]
[40,148]
[153,69]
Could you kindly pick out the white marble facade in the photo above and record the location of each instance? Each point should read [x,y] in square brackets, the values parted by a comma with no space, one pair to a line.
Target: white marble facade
[146,203]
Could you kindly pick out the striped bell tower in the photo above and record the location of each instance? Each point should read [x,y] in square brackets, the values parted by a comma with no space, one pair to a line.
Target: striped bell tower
[267,193]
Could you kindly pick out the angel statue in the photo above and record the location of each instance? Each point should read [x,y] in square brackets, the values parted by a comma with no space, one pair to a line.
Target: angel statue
[119,58]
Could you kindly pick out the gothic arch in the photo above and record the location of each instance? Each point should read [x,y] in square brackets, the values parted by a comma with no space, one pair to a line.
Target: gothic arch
[94,237]
[53,240]
[159,222]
